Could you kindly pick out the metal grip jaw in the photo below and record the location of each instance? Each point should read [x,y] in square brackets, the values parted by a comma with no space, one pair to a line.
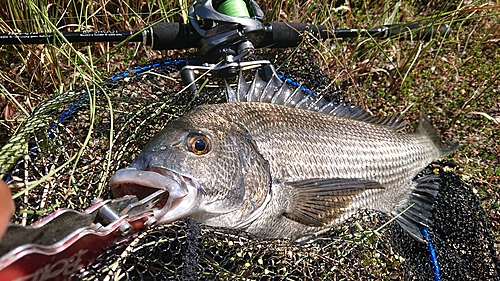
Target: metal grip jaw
[65,241]
[228,34]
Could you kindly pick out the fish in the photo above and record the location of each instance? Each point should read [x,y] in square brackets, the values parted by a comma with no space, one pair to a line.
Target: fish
[277,162]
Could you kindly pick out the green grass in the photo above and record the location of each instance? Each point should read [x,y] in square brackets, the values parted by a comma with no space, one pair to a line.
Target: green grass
[454,79]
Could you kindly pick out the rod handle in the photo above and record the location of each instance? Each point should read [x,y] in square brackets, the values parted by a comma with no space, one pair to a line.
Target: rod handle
[290,34]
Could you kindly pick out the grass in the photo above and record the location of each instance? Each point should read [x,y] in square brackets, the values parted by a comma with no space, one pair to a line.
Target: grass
[454,79]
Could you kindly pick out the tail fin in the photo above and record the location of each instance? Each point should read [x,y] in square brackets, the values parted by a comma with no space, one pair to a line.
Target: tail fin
[425,127]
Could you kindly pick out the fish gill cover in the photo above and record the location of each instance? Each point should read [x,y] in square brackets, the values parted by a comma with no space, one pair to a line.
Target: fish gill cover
[130,109]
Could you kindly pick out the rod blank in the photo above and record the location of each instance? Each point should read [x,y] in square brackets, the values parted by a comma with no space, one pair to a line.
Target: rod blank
[72,37]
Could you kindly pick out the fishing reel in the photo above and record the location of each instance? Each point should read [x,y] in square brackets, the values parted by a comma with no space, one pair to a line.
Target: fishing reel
[229,31]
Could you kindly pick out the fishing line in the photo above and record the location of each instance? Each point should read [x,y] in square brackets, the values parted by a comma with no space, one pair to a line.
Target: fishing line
[76,18]
[234,8]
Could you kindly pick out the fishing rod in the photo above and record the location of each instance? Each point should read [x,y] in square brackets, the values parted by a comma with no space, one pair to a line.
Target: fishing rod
[171,36]
[216,26]
[227,31]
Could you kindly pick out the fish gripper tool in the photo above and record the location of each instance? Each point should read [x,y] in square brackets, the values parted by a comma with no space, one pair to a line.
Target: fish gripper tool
[67,240]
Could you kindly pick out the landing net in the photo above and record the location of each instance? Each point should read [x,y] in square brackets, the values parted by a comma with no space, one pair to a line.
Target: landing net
[70,146]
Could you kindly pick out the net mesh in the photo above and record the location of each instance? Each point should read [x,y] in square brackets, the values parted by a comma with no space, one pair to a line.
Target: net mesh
[69,147]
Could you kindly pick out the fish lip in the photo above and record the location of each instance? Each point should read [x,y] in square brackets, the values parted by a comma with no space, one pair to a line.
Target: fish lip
[182,191]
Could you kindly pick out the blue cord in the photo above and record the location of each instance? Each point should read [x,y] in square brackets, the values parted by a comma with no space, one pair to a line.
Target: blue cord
[432,255]
[296,84]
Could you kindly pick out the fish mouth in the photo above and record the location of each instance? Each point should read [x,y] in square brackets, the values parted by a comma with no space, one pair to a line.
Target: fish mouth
[181,192]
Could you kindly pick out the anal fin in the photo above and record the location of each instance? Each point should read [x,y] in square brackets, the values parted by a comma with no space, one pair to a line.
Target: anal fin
[416,214]
[321,201]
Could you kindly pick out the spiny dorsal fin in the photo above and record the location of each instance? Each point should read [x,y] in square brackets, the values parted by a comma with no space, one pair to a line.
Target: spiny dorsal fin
[278,92]
[231,95]
[270,89]
[321,201]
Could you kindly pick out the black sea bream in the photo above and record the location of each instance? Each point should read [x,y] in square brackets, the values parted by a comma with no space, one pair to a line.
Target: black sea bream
[281,164]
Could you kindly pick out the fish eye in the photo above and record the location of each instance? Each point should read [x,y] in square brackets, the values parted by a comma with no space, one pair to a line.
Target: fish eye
[198,144]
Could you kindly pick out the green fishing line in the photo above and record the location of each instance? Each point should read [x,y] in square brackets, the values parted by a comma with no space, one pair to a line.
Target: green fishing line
[234,8]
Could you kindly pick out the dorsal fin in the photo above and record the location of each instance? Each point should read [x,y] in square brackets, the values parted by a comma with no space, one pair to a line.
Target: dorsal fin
[278,92]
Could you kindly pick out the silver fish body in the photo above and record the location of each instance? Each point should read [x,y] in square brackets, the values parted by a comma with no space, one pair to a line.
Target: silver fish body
[282,172]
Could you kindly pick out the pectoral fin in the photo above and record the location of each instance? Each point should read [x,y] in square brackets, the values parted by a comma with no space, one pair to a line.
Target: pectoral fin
[318,202]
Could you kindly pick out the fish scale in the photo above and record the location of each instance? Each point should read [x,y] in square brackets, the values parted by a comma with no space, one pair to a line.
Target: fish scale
[345,152]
